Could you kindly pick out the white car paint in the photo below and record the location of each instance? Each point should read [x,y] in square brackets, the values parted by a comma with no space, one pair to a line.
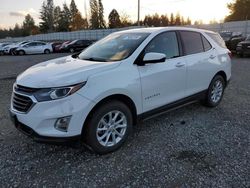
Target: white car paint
[35,47]
[149,86]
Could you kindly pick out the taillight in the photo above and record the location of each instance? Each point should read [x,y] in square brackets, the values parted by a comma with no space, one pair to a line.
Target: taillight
[230,54]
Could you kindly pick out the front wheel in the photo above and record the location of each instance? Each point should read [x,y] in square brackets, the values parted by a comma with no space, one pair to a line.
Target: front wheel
[215,91]
[109,127]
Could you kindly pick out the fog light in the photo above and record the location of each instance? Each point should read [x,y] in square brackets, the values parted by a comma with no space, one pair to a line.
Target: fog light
[62,123]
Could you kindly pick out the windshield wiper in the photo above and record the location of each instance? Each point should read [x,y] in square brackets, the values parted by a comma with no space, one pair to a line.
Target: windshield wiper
[95,59]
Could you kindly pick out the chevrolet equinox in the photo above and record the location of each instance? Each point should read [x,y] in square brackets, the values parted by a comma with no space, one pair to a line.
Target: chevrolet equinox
[100,93]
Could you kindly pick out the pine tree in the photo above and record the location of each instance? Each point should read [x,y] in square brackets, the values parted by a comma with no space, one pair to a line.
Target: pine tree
[114,19]
[94,21]
[57,14]
[102,23]
[172,20]
[178,19]
[73,9]
[64,21]
[46,15]
[28,25]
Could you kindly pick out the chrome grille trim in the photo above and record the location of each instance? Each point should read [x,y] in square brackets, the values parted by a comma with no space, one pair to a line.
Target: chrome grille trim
[22,103]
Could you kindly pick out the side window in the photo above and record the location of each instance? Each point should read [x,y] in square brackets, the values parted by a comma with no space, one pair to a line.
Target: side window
[165,43]
[192,42]
[206,44]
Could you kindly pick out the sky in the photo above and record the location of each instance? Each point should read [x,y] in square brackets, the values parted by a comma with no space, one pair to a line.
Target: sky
[13,11]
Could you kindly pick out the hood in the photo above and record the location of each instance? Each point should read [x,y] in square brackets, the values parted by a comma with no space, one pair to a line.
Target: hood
[11,46]
[62,72]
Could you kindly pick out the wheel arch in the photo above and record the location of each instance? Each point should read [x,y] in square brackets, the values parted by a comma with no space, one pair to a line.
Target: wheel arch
[223,74]
[118,97]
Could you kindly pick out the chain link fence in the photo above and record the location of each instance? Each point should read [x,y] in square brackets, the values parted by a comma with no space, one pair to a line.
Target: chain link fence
[239,26]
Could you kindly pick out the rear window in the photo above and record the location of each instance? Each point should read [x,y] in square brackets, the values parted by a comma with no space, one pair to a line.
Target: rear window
[217,38]
[192,42]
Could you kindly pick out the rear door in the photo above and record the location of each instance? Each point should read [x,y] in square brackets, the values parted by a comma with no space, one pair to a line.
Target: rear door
[200,57]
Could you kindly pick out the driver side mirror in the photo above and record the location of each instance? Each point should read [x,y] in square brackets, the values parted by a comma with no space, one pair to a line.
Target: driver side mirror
[153,57]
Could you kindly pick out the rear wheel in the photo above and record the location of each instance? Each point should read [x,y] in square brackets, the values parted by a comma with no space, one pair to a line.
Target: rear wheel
[109,127]
[21,52]
[215,91]
[46,51]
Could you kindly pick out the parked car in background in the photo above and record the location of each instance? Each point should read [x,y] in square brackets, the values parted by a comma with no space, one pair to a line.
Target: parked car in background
[232,39]
[77,45]
[101,93]
[243,48]
[63,45]
[10,49]
[2,45]
[35,47]
[56,46]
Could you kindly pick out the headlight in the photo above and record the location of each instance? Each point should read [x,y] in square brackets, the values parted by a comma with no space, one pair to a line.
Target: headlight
[57,93]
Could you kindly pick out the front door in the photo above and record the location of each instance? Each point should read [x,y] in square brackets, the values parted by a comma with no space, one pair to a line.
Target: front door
[163,83]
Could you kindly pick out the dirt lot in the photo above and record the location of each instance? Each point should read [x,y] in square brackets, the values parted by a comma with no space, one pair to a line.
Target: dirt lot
[190,147]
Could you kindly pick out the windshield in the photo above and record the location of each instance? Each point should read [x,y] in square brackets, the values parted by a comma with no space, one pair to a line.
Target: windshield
[114,47]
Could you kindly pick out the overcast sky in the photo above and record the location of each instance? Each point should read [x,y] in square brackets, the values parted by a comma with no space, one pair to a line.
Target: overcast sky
[13,11]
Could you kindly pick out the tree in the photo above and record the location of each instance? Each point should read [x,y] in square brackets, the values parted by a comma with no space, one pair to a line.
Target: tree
[78,22]
[178,19]
[97,14]
[46,15]
[102,23]
[64,21]
[189,22]
[164,20]
[239,10]
[57,15]
[28,25]
[125,20]
[94,21]
[172,20]
[114,19]
[73,8]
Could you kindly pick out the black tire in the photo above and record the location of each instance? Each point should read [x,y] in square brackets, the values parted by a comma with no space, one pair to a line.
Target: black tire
[90,131]
[1,53]
[21,52]
[47,51]
[71,50]
[209,96]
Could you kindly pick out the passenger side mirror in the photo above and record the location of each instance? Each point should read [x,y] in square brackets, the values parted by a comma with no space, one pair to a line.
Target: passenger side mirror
[153,57]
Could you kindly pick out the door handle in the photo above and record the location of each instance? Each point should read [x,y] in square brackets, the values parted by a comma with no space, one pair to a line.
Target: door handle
[180,65]
[212,56]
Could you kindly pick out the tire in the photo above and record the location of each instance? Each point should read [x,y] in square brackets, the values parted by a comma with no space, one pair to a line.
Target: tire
[215,91]
[47,51]
[116,134]
[72,50]
[1,53]
[21,52]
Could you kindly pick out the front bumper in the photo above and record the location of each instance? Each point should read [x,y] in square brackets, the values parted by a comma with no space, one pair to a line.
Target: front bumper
[39,122]
[39,138]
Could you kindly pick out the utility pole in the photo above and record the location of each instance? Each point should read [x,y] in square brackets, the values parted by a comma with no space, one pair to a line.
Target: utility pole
[138,21]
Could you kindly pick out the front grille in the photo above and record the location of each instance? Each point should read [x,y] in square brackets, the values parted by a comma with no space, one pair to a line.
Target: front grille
[21,103]
[24,89]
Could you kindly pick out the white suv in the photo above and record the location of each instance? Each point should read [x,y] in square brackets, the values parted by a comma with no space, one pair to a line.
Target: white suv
[100,94]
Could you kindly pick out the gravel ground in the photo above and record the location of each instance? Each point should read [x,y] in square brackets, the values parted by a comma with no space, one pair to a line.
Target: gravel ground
[190,147]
